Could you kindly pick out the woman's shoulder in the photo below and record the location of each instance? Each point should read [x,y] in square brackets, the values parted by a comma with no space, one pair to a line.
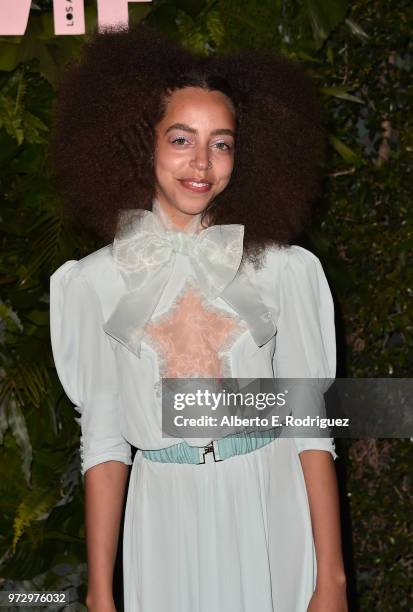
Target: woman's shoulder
[279,258]
[90,267]
[97,270]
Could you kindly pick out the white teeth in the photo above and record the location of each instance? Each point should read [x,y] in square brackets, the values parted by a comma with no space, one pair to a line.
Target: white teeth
[194,184]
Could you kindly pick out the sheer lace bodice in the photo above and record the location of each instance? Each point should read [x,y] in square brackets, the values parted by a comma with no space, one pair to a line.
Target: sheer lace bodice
[193,337]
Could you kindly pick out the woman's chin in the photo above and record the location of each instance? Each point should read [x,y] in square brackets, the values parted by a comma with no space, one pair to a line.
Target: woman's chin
[193,206]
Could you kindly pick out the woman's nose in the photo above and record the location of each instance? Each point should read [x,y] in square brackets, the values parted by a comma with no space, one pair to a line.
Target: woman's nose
[201,159]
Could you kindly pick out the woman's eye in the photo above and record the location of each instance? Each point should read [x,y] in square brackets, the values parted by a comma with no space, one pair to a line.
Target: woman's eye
[225,147]
[179,140]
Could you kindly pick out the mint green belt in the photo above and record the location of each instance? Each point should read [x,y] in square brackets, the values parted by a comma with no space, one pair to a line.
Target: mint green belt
[238,444]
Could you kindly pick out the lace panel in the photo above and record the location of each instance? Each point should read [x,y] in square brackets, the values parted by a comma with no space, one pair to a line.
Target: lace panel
[193,337]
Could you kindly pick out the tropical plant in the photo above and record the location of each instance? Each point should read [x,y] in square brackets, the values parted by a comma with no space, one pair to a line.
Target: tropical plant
[361,56]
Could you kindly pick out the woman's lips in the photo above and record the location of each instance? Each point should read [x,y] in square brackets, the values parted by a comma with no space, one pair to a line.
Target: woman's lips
[196,186]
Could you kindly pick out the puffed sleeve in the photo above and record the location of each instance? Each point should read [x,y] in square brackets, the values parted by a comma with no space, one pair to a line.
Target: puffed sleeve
[85,363]
[306,340]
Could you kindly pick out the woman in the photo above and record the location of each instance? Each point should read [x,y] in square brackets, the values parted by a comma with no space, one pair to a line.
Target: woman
[200,172]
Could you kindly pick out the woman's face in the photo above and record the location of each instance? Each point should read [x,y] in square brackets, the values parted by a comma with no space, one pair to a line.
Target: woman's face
[194,153]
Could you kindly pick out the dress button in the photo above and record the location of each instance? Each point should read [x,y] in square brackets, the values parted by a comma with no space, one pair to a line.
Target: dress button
[158,388]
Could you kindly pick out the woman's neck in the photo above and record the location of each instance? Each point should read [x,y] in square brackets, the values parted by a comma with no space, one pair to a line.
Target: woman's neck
[191,225]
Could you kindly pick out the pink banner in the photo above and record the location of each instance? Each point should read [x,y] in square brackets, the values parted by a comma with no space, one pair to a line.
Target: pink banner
[14,15]
[113,12]
[69,15]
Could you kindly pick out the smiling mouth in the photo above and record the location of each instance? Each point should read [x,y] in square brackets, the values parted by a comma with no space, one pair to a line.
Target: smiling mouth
[195,184]
[195,181]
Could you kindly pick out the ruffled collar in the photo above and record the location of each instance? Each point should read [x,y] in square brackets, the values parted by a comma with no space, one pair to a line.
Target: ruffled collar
[145,249]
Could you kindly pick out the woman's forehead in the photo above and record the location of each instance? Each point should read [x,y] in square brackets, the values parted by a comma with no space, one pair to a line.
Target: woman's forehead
[192,104]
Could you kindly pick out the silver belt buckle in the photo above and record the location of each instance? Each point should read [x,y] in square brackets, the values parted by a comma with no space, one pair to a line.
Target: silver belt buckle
[209,448]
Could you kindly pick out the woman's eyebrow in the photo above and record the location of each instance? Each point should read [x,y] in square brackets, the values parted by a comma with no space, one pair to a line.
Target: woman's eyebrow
[185,127]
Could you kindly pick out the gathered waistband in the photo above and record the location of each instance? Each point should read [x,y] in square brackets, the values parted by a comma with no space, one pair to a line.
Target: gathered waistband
[237,444]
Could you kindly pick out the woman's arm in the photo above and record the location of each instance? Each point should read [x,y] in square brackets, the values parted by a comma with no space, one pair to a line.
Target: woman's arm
[321,483]
[86,363]
[105,486]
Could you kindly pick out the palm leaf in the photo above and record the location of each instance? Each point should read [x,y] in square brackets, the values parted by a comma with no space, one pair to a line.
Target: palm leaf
[18,427]
[46,243]
[34,507]
[32,381]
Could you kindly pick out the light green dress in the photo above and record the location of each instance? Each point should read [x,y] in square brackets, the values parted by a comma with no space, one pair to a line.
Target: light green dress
[229,536]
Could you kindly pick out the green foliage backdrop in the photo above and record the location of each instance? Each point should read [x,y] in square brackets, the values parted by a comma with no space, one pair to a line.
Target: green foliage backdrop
[360,54]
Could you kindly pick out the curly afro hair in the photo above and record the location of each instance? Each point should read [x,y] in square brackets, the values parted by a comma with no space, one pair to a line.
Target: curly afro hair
[111,98]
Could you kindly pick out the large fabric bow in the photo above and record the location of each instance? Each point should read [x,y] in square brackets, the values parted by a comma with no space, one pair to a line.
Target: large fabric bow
[144,251]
